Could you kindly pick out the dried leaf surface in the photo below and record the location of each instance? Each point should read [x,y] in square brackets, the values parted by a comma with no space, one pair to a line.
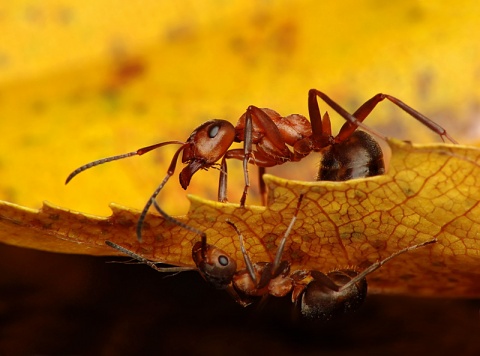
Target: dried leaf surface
[430,191]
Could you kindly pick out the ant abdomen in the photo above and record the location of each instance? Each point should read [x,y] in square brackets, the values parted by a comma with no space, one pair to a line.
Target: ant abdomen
[330,295]
[359,156]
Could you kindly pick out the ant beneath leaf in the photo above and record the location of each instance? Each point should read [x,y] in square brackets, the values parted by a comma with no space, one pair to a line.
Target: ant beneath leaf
[317,295]
[350,154]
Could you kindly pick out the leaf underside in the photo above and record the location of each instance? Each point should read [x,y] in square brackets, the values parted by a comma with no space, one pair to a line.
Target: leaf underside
[430,191]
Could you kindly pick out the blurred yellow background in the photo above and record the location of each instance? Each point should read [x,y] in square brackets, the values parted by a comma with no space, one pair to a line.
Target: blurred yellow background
[83,81]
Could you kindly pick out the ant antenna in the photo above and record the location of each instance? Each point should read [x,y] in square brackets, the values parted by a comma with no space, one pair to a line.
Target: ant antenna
[145,261]
[246,258]
[202,234]
[379,264]
[138,152]
[281,247]
[170,172]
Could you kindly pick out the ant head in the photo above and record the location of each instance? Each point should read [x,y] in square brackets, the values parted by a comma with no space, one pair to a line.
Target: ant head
[206,145]
[215,266]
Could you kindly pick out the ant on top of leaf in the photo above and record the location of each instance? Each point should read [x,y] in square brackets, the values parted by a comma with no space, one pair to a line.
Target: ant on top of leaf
[350,154]
[316,295]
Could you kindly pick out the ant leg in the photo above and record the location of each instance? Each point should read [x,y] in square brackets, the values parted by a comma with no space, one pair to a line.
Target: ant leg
[245,156]
[200,233]
[364,110]
[256,158]
[420,117]
[244,302]
[379,264]
[222,182]
[203,235]
[248,262]
[352,121]
[314,113]
[271,147]
[320,127]
[147,262]
[281,247]
[261,185]
[170,172]
[247,151]
[138,152]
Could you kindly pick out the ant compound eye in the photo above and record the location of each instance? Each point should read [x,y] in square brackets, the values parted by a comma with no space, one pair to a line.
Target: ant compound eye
[214,265]
[213,131]
[223,260]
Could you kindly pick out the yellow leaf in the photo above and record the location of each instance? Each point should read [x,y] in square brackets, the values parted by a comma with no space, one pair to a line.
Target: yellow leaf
[63,77]
[430,191]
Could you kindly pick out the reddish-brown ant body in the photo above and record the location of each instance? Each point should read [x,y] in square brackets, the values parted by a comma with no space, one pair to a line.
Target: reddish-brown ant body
[350,154]
[319,296]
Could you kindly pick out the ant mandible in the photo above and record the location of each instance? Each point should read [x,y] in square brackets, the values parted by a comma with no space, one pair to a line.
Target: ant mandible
[317,295]
[348,155]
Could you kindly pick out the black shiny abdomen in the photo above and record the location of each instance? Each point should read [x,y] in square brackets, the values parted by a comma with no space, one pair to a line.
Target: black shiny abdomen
[358,157]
